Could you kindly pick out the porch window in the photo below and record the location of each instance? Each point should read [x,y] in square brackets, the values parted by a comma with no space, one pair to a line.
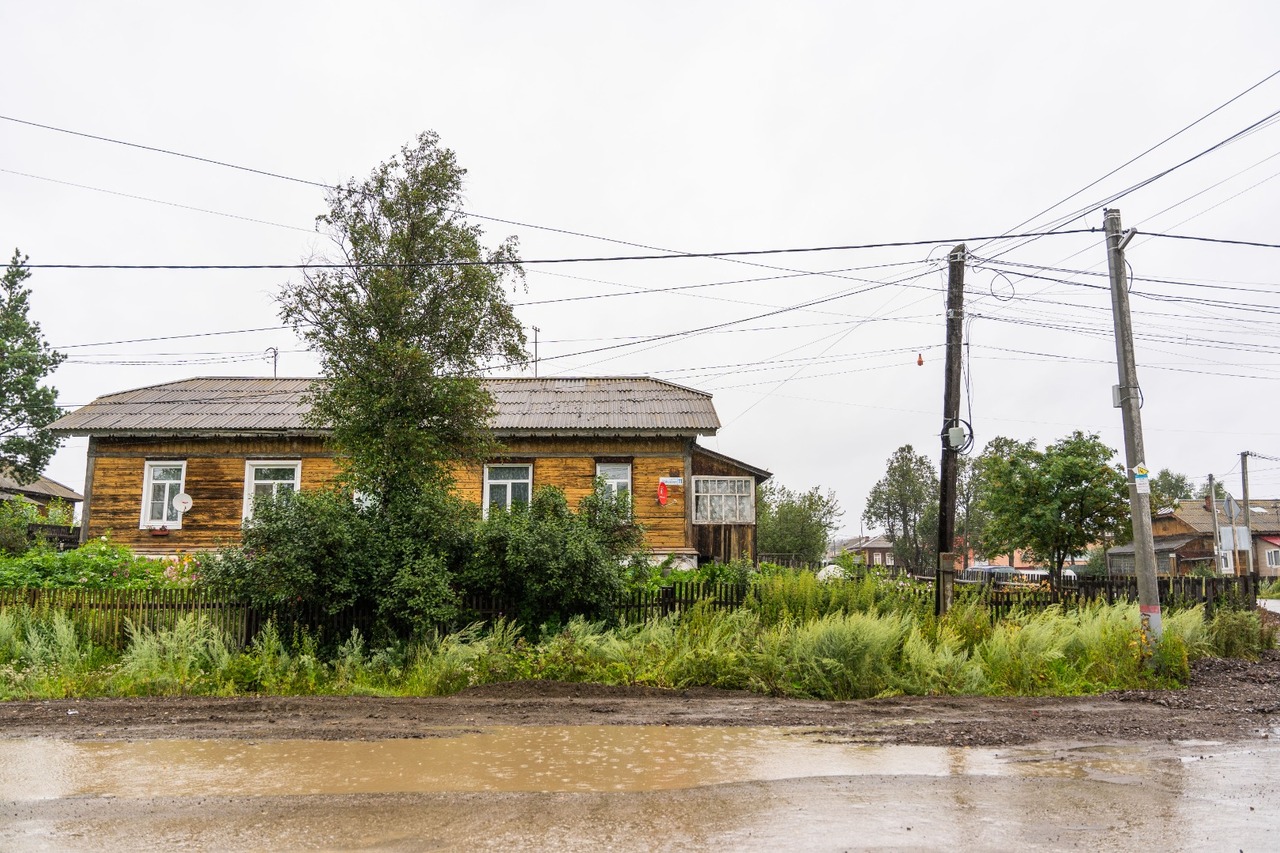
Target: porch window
[724,500]
[1273,558]
[269,479]
[616,476]
[162,482]
[506,486]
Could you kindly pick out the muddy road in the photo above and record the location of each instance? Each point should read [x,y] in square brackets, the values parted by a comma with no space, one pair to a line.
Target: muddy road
[553,766]
[1227,699]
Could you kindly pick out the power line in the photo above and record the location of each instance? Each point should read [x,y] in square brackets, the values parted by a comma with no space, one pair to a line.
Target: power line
[1134,159]
[169,152]
[1222,240]
[160,201]
[174,337]
[575,260]
[1114,197]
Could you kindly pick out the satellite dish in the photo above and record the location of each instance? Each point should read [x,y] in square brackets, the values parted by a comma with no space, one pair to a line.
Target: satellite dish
[182,502]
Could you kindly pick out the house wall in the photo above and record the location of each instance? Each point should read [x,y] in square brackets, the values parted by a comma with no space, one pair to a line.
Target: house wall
[722,542]
[570,464]
[1170,525]
[214,479]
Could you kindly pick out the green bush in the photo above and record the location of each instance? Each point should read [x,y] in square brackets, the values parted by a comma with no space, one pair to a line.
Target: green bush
[98,564]
[1238,634]
[15,515]
[552,563]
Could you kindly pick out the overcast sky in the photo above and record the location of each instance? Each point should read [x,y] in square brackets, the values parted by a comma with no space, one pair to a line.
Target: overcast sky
[693,127]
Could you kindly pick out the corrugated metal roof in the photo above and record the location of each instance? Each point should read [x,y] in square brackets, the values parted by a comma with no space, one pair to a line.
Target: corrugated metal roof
[1264,516]
[633,404]
[40,486]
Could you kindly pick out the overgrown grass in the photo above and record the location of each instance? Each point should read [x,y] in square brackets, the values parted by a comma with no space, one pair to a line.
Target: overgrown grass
[848,644]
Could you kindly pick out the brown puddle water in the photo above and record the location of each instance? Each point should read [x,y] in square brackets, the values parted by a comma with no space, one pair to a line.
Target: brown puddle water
[506,759]
[632,788]
[514,759]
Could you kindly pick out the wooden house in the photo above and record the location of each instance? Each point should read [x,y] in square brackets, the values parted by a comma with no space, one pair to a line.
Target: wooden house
[40,492]
[175,467]
[1184,540]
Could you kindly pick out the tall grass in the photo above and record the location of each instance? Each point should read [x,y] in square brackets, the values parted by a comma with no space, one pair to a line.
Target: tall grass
[47,655]
[794,637]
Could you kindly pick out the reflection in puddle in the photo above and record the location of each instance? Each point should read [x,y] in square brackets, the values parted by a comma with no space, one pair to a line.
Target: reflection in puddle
[631,788]
[516,758]
[513,759]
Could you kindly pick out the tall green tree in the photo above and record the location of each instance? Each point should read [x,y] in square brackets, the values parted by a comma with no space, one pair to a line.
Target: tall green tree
[1055,503]
[1167,488]
[971,515]
[404,324]
[27,405]
[792,522]
[904,503]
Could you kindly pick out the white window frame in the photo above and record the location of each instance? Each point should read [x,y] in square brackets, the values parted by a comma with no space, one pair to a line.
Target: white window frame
[704,491]
[1273,558]
[613,483]
[888,558]
[144,521]
[527,480]
[251,465]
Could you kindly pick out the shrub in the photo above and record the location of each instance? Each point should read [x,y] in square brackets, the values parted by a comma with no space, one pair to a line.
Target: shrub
[98,564]
[551,563]
[15,515]
[182,659]
[1238,634]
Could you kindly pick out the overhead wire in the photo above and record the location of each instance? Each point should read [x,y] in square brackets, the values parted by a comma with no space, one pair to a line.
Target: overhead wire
[531,261]
[1137,157]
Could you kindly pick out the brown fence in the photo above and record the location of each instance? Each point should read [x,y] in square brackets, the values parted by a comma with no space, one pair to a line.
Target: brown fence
[1175,593]
[105,614]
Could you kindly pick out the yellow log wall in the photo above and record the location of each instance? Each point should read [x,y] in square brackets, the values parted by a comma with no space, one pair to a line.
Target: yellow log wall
[216,472]
[214,479]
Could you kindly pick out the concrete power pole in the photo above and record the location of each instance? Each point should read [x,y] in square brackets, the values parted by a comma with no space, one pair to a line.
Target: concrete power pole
[1248,522]
[1128,398]
[1219,558]
[944,586]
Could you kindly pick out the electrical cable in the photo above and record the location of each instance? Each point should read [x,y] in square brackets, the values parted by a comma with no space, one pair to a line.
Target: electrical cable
[1134,159]
[160,201]
[530,261]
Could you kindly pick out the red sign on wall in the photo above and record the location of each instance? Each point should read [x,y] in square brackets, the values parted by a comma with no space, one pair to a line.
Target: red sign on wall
[662,494]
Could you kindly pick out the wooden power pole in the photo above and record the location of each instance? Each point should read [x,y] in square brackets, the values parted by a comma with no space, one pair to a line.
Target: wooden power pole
[1128,398]
[945,579]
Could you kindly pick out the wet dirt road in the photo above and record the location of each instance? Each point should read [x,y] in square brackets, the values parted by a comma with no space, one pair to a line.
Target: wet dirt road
[633,788]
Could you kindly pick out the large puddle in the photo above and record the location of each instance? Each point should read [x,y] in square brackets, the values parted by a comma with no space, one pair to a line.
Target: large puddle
[511,759]
[623,787]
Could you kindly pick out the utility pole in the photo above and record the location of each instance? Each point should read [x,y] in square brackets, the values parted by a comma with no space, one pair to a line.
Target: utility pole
[945,579]
[535,352]
[275,361]
[1219,559]
[1128,398]
[1248,523]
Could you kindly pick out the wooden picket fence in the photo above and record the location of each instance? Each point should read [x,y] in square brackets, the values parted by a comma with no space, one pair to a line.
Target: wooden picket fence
[106,614]
[1175,593]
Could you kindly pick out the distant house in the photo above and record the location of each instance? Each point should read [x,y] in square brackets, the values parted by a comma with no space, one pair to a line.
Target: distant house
[874,550]
[39,492]
[219,442]
[1184,540]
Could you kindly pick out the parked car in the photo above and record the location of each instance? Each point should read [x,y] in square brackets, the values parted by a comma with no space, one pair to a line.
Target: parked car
[983,573]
